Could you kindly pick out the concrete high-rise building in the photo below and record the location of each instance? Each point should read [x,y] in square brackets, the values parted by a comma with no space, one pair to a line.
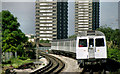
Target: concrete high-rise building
[119,15]
[51,19]
[62,19]
[86,15]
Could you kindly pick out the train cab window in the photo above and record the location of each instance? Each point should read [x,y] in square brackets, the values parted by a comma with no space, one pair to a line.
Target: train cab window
[91,42]
[82,42]
[99,42]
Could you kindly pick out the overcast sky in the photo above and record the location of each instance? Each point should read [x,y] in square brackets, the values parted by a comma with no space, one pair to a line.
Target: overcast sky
[25,12]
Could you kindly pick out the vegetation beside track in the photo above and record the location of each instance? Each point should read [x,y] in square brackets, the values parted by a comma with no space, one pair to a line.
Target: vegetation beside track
[16,62]
[113,46]
[14,40]
[113,42]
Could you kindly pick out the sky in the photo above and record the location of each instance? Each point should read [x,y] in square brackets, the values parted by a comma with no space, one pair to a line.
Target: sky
[25,12]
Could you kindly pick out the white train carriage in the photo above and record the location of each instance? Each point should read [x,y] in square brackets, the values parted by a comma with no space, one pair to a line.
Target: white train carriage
[68,45]
[87,45]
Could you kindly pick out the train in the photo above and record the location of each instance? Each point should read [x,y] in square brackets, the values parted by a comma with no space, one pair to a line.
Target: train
[88,46]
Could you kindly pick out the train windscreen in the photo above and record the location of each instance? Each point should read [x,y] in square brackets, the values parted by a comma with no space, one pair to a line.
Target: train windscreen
[99,42]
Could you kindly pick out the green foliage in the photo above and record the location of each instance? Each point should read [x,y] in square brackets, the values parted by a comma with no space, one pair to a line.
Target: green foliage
[113,42]
[0,30]
[16,62]
[12,37]
[23,58]
[30,49]
[28,45]
[114,54]
[32,37]
[72,36]
[44,41]
[107,31]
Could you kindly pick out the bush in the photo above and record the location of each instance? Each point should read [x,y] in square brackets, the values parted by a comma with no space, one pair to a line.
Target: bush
[44,41]
[114,54]
[23,58]
[7,62]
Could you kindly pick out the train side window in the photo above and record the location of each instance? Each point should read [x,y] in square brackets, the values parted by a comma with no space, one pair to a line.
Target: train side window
[99,42]
[82,42]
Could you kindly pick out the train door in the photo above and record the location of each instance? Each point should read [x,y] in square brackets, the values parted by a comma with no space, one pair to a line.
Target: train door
[82,48]
[100,45]
[91,48]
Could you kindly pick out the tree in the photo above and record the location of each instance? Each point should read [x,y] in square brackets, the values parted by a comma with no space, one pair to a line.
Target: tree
[107,31]
[113,42]
[115,37]
[0,36]
[12,37]
[73,36]
[30,49]
[44,41]
[112,36]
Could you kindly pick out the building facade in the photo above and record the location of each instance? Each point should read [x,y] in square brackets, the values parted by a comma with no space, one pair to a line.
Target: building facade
[50,22]
[62,19]
[86,15]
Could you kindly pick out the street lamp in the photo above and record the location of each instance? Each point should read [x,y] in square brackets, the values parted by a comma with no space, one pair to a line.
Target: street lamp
[37,46]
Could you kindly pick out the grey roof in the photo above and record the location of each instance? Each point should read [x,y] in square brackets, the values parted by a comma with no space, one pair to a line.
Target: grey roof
[90,33]
[64,40]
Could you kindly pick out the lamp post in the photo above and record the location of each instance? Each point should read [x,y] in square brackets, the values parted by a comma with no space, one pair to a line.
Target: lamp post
[37,46]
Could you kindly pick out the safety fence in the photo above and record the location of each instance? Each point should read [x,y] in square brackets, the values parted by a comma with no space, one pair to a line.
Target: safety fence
[8,55]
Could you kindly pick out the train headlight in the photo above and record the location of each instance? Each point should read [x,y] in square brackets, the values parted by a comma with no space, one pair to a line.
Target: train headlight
[98,50]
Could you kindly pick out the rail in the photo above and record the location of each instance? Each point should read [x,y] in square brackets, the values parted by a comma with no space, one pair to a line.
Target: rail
[54,65]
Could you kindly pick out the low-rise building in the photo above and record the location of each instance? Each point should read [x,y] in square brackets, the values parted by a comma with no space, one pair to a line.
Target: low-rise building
[31,37]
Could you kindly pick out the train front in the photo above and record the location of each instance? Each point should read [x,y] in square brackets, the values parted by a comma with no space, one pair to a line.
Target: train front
[91,45]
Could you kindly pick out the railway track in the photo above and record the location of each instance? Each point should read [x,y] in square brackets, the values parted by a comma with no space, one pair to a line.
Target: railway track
[93,69]
[54,65]
[88,69]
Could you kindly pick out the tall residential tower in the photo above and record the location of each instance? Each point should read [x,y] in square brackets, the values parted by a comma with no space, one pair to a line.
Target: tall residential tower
[51,19]
[86,15]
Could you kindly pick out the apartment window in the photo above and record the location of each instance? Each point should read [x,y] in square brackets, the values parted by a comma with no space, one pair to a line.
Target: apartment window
[54,10]
[60,11]
[54,24]
[37,10]
[37,24]
[37,21]
[37,14]
[54,3]
[37,31]
[37,3]
[37,17]
[54,14]
[54,21]
[54,17]
[37,28]
[37,7]
[54,7]
[54,35]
